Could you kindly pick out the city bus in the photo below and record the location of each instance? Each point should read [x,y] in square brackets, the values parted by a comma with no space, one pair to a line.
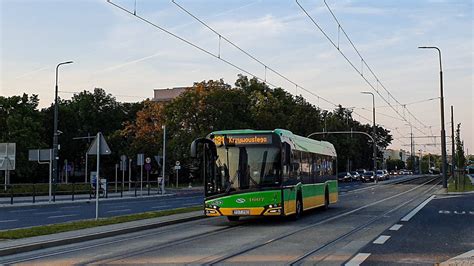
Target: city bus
[265,173]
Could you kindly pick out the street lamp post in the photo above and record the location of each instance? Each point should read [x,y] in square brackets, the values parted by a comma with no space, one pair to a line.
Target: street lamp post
[164,159]
[443,132]
[55,132]
[373,134]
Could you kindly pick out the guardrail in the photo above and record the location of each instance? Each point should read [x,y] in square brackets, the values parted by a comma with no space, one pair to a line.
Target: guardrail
[35,192]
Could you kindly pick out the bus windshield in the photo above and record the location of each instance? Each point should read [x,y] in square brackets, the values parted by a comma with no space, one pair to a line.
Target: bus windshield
[247,167]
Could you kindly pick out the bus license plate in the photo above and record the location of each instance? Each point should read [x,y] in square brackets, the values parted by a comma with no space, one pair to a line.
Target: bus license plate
[241,212]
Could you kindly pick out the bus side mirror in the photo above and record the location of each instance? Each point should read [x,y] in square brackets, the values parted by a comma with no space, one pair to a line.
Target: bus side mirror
[286,153]
[210,143]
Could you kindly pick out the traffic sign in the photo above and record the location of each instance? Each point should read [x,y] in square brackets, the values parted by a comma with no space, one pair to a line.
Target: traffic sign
[103,149]
[140,158]
[148,167]
[177,167]
[148,160]
[177,163]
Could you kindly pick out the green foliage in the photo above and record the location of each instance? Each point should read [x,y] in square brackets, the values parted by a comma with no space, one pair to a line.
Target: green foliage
[460,157]
[21,123]
[395,164]
[132,128]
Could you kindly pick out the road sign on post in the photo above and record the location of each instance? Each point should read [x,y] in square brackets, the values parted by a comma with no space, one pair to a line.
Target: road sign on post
[177,167]
[98,147]
[140,159]
[140,162]
[43,156]
[123,168]
[7,160]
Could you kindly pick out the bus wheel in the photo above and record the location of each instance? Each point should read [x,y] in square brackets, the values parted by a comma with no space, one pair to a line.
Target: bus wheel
[326,199]
[299,208]
[233,218]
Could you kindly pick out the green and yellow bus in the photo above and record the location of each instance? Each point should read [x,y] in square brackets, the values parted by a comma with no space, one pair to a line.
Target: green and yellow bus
[265,172]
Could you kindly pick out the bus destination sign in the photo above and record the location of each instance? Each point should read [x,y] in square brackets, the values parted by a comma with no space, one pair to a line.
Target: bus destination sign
[243,139]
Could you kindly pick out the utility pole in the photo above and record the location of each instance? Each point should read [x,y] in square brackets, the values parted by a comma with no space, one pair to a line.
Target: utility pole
[164,159]
[55,130]
[452,142]
[443,132]
[373,134]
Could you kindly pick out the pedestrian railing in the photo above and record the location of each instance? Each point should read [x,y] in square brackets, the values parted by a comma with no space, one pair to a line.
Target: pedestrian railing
[39,192]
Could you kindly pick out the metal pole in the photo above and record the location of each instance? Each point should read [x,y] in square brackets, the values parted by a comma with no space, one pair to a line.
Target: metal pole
[123,174]
[419,162]
[50,174]
[129,174]
[85,174]
[116,174]
[373,135]
[164,159]
[141,179]
[177,178]
[65,170]
[55,132]
[443,131]
[452,142]
[97,179]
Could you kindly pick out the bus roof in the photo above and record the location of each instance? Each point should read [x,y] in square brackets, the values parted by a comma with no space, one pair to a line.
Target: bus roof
[299,142]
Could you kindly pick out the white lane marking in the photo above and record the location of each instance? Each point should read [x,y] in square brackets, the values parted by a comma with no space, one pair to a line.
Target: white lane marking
[62,216]
[36,213]
[395,227]
[125,210]
[8,221]
[416,210]
[448,197]
[70,207]
[358,259]
[381,239]
[27,210]
[464,255]
[161,206]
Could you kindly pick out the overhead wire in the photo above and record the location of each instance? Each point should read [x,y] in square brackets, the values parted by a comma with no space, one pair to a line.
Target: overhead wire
[266,67]
[363,62]
[219,56]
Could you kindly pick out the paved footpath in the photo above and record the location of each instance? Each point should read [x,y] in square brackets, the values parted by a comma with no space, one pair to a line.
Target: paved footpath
[434,232]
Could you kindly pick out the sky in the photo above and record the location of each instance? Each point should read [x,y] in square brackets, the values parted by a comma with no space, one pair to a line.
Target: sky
[114,50]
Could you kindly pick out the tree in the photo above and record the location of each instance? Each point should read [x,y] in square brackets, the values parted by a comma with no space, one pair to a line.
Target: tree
[395,164]
[21,123]
[460,157]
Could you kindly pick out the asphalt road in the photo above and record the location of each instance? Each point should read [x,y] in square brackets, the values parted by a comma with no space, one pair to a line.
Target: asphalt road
[12,217]
[327,237]
[442,229]
[26,216]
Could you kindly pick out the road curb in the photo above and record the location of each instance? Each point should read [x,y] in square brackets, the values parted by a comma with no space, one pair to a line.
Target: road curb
[64,202]
[71,240]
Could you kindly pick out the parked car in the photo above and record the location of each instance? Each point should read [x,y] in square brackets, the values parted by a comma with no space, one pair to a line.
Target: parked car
[368,176]
[387,175]
[344,177]
[355,175]
[361,171]
[380,175]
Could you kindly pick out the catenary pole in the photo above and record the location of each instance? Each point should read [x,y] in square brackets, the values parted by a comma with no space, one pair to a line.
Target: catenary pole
[443,131]
[55,130]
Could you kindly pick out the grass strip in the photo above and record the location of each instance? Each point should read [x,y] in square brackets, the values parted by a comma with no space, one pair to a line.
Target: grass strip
[83,224]
[463,186]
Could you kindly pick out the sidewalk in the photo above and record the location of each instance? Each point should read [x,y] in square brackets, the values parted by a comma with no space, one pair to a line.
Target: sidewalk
[438,232]
[10,247]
